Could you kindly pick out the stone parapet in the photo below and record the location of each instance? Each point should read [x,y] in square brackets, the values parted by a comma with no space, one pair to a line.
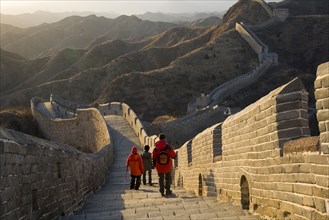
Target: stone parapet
[252,159]
[87,131]
[43,180]
[321,86]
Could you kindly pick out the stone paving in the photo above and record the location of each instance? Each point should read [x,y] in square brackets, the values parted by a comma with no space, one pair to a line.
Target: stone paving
[114,200]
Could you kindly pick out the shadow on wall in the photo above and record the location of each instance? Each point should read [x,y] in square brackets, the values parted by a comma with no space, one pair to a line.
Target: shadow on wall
[210,188]
[292,115]
[245,194]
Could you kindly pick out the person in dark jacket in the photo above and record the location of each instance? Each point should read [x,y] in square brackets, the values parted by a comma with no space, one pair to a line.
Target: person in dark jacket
[162,159]
[147,162]
[134,161]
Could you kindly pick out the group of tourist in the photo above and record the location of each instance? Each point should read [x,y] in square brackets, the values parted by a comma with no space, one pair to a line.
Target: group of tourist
[160,158]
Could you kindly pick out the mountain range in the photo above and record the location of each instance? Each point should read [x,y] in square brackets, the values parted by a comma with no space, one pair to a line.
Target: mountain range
[155,67]
[45,17]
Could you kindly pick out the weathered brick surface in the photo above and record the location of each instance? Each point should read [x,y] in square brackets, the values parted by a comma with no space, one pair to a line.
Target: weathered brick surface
[322,96]
[60,176]
[87,131]
[282,184]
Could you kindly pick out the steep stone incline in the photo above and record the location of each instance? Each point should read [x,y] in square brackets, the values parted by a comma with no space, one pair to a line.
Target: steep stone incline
[115,201]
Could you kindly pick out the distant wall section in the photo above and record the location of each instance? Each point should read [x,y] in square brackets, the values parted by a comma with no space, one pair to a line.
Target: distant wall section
[86,132]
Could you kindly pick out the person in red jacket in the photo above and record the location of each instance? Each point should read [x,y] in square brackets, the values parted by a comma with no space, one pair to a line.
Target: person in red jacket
[135,162]
[162,159]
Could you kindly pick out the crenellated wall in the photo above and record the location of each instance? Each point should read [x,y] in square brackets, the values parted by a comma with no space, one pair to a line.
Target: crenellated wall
[243,160]
[321,86]
[87,131]
[42,179]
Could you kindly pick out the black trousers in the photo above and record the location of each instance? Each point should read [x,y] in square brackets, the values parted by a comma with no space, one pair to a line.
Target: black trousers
[150,176]
[164,182]
[135,182]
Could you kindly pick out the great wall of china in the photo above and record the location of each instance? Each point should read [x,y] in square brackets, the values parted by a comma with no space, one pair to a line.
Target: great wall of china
[261,158]
[254,159]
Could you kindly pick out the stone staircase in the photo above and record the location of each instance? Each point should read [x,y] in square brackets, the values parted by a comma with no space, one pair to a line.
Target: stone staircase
[114,200]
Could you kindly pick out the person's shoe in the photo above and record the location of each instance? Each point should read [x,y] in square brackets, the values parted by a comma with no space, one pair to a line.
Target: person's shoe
[136,188]
[168,192]
[151,184]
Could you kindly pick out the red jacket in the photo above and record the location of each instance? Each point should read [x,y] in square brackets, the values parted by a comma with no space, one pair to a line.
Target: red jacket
[159,146]
[135,162]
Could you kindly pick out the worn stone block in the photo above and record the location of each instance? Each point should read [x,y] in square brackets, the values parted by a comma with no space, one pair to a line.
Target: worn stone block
[290,133]
[322,104]
[303,189]
[324,126]
[324,137]
[317,84]
[286,206]
[320,204]
[308,201]
[321,93]
[288,115]
[323,115]
[319,216]
[324,148]
[320,192]
[319,169]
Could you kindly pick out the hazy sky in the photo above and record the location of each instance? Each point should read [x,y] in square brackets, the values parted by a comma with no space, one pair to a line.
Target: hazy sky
[119,7]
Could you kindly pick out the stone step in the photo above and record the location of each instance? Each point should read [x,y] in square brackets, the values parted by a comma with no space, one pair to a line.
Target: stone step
[114,200]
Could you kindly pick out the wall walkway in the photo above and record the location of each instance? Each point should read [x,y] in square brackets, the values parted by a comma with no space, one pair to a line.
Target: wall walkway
[115,201]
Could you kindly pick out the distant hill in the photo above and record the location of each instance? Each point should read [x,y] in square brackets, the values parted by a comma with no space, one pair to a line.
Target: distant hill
[40,17]
[75,32]
[159,74]
[178,17]
[210,21]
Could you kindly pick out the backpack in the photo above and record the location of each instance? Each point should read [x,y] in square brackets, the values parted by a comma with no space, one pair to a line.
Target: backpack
[163,157]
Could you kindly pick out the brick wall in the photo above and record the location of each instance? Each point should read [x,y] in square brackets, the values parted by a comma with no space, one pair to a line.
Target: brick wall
[321,86]
[40,179]
[87,131]
[249,156]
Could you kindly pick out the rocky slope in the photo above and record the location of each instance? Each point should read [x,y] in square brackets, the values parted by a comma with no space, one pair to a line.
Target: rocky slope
[160,74]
